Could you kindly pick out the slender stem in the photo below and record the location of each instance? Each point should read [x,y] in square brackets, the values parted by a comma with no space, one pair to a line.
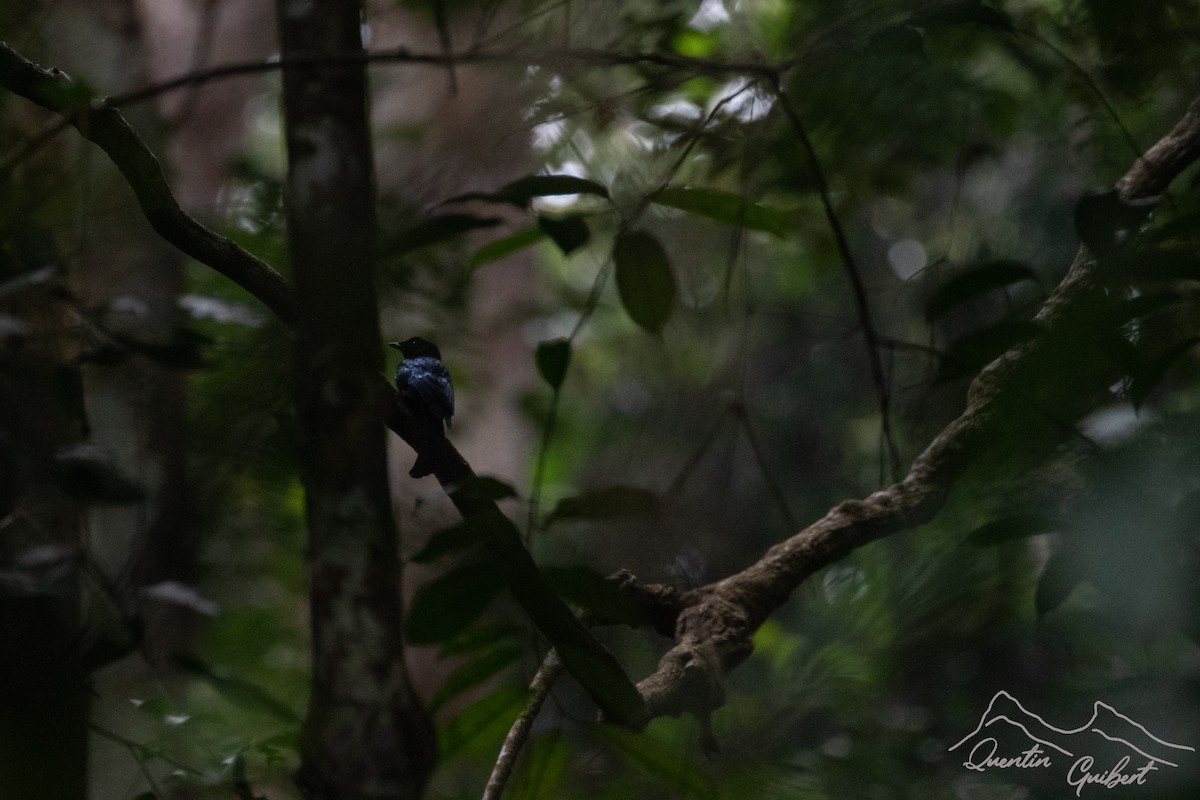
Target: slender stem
[872,337]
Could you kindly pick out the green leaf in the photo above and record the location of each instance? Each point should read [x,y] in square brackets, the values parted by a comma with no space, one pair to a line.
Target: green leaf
[594,593]
[473,673]
[974,282]
[570,232]
[659,760]
[238,691]
[552,358]
[521,191]
[445,607]
[610,502]
[644,280]
[722,206]
[482,723]
[469,531]
[1105,223]
[434,230]
[494,251]
[1013,526]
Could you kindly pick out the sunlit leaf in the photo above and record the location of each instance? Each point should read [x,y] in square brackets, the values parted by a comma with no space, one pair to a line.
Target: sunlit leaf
[446,606]
[644,280]
[723,206]
[552,358]
[976,281]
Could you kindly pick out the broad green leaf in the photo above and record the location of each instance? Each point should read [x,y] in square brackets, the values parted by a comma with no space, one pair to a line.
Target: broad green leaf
[644,279]
[570,232]
[552,358]
[974,282]
[444,608]
[595,594]
[494,251]
[610,502]
[1011,527]
[521,191]
[481,724]
[473,673]
[722,206]
[434,230]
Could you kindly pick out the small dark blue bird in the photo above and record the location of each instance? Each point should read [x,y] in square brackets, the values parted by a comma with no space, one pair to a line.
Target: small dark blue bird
[424,385]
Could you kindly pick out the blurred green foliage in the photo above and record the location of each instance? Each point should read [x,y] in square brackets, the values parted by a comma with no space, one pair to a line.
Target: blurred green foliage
[703,367]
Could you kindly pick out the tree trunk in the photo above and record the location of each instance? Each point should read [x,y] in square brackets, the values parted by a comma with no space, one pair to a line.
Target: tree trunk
[365,736]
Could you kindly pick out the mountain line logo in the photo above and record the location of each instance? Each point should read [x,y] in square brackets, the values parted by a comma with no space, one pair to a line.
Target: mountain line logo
[1107,751]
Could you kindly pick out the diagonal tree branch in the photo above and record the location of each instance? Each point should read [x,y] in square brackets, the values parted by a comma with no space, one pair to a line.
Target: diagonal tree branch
[104,126]
[1054,369]
[589,661]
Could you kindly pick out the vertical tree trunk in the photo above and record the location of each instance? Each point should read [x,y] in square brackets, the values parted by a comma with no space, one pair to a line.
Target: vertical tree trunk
[44,694]
[365,735]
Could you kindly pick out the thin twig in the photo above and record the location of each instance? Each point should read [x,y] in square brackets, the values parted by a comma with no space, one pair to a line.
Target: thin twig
[518,734]
[856,281]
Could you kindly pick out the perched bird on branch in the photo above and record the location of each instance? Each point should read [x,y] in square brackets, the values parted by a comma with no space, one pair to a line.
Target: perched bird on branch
[423,383]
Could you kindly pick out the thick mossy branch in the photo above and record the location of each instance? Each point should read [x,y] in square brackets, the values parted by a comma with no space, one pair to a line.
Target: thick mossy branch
[1056,375]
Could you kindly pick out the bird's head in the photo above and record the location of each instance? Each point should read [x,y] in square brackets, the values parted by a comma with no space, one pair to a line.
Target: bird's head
[416,347]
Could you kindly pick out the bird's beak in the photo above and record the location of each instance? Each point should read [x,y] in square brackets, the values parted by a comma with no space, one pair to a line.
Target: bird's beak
[396,345]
